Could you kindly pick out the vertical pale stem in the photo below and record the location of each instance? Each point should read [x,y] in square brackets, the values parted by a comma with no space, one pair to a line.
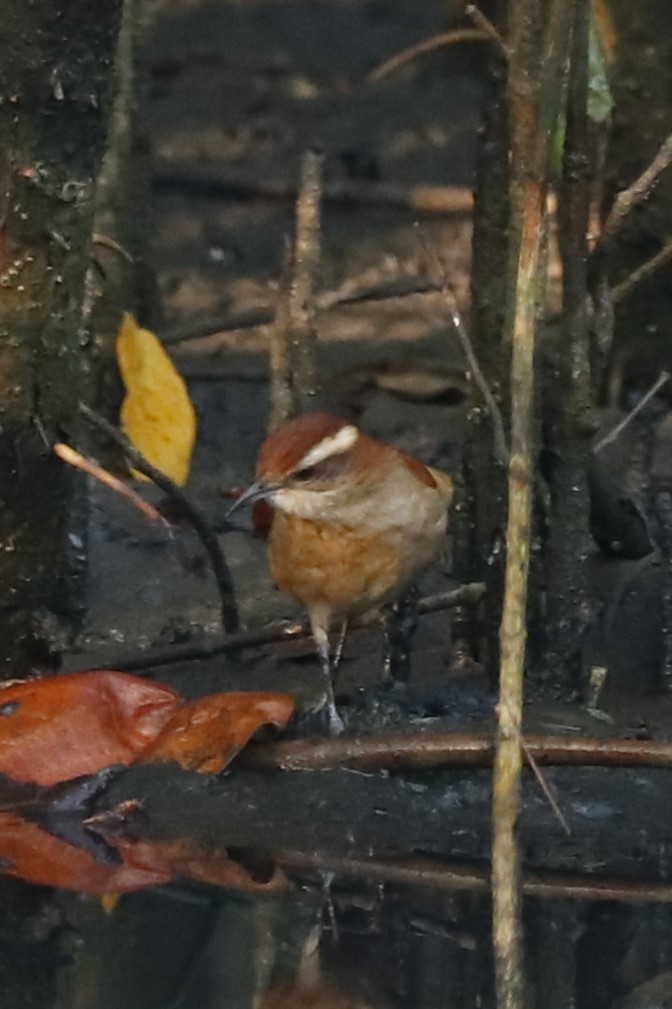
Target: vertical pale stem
[513,633]
[539,41]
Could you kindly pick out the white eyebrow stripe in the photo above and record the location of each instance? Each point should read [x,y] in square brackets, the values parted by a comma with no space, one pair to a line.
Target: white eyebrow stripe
[334,444]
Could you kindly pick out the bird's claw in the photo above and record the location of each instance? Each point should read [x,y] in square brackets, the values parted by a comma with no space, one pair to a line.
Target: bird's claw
[335,723]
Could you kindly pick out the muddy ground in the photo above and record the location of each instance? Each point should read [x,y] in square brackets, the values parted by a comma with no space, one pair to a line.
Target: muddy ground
[242,91]
[237,93]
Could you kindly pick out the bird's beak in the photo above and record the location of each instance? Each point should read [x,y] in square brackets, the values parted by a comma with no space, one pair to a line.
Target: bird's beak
[257,491]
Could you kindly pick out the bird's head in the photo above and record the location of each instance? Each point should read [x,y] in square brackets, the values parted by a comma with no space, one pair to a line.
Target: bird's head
[313,464]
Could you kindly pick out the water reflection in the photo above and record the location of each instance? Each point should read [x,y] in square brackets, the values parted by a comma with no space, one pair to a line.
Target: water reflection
[324,944]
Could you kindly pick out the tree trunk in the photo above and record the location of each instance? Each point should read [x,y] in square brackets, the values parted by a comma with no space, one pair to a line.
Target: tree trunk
[55,99]
[482,517]
[567,418]
[123,199]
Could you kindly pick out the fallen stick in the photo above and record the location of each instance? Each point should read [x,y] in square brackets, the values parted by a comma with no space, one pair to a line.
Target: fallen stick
[93,469]
[207,335]
[413,751]
[457,876]
[218,182]
[466,595]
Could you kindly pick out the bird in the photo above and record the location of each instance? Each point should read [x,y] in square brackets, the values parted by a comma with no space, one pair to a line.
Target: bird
[355,522]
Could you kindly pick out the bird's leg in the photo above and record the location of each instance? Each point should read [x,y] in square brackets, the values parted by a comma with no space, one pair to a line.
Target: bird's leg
[320,628]
[335,723]
[399,627]
[340,644]
[388,647]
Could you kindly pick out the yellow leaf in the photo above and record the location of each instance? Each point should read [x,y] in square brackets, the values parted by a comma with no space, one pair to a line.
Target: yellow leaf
[157,414]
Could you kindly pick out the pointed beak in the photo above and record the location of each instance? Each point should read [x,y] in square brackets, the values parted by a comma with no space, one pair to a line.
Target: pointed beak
[257,491]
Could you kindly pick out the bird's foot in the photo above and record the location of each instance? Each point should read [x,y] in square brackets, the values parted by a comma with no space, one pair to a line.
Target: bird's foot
[322,718]
[335,724]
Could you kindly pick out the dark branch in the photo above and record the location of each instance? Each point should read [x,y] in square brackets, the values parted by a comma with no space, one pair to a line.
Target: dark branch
[229,608]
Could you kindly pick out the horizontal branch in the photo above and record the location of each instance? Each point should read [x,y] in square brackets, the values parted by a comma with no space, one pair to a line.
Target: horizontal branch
[399,287]
[219,182]
[458,876]
[465,595]
[410,751]
[428,45]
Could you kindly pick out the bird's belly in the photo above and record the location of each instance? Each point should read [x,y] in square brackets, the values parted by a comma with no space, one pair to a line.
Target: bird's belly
[345,571]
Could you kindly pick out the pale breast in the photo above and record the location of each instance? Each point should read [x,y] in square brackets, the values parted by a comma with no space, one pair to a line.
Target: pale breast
[348,572]
[319,562]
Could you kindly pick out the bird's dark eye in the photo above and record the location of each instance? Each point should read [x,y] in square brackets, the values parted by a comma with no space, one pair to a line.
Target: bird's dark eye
[305,474]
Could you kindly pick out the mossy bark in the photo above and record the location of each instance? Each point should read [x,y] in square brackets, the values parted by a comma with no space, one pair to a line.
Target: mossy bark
[482,516]
[568,409]
[55,98]
[122,281]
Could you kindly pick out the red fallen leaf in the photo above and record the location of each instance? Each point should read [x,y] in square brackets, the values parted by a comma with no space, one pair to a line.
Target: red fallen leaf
[186,860]
[205,735]
[60,728]
[31,854]
[65,726]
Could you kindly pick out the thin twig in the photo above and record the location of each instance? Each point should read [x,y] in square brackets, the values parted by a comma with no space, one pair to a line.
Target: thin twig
[543,784]
[430,45]
[501,448]
[638,191]
[293,336]
[229,608]
[306,263]
[643,272]
[347,294]
[466,595]
[415,751]
[106,242]
[217,182]
[281,394]
[479,19]
[612,435]
[352,293]
[458,876]
[93,469]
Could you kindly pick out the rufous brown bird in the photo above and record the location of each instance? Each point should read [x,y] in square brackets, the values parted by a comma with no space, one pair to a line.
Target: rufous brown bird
[355,523]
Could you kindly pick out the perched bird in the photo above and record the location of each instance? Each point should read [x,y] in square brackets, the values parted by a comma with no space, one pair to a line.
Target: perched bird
[355,522]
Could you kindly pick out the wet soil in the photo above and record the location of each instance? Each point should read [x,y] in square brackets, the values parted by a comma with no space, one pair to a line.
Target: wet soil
[238,92]
[241,91]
